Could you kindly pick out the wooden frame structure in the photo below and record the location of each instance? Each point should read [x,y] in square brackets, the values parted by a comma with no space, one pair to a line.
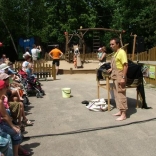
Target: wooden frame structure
[68,39]
[81,34]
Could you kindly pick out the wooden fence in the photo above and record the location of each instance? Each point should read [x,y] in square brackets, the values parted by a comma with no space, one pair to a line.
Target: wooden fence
[41,69]
[149,55]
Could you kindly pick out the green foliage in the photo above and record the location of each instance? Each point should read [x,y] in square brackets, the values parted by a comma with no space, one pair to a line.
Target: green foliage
[50,19]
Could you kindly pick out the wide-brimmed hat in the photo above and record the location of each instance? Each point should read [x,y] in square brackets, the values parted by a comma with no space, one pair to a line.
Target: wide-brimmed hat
[4,76]
[3,66]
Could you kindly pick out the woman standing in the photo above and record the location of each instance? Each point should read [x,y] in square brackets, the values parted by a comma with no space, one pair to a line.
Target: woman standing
[102,55]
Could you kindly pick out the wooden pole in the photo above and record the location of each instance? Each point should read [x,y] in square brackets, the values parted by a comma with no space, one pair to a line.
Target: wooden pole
[83,43]
[84,49]
[105,29]
[66,48]
[53,72]
[121,40]
[9,35]
[67,40]
[134,42]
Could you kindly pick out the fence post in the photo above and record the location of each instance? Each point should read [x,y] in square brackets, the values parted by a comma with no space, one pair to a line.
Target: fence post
[54,72]
[71,70]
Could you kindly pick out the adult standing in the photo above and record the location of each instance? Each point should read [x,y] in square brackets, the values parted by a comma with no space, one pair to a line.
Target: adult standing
[27,52]
[56,54]
[104,50]
[102,55]
[35,51]
[119,66]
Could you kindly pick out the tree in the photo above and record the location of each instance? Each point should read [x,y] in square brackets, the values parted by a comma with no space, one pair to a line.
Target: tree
[49,20]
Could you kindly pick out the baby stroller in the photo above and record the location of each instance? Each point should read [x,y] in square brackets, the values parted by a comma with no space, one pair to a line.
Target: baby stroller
[23,77]
[34,86]
[31,85]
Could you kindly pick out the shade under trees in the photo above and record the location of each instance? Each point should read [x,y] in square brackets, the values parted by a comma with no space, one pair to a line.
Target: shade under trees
[49,19]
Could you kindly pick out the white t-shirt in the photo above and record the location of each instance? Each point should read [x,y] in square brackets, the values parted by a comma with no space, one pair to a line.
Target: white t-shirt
[35,52]
[25,65]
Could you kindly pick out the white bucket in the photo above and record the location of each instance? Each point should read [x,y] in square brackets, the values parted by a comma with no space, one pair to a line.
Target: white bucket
[66,92]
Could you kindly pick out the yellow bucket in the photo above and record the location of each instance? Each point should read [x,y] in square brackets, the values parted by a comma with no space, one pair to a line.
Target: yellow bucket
[66,92]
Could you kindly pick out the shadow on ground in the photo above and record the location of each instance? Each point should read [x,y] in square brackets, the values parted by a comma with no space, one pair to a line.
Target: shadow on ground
[30,147]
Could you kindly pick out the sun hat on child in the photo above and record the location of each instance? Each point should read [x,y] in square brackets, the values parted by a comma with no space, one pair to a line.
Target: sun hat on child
[4,76]
[3,66]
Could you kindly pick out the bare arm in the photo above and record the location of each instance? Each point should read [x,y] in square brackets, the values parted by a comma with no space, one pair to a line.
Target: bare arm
[39,48]
[103,55]
[50,54]
[61,54]
[125,68]
[15,84]
[7,118]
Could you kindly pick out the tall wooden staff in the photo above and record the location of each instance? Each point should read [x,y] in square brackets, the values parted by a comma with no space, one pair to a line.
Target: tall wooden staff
[121,39]
[134,43]
[83,43]
[67,40]
[9,35]
[66,48]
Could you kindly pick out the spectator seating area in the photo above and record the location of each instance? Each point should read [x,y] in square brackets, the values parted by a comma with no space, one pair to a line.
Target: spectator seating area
[18,81]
